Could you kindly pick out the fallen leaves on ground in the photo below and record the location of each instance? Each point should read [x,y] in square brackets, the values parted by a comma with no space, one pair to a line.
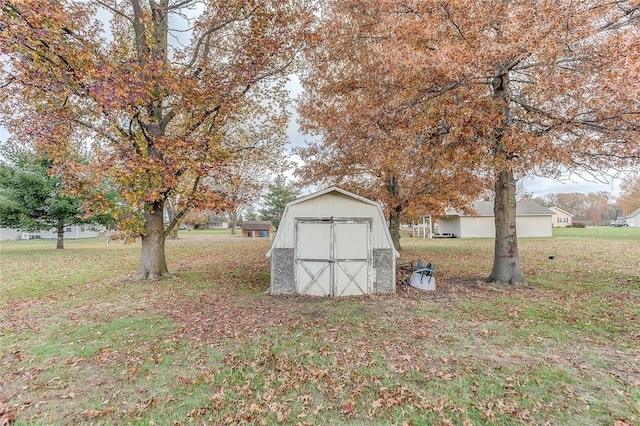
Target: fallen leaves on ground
[251,358]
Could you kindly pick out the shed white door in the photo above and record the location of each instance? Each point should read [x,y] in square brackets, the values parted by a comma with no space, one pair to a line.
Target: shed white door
[333,258]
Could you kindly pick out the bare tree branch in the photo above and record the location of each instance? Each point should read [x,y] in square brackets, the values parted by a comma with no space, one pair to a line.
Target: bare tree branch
[212,30]
[116,11]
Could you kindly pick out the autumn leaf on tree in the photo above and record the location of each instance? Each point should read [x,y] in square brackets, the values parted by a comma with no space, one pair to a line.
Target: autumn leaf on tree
[372,142]
[154,89]
[513,88]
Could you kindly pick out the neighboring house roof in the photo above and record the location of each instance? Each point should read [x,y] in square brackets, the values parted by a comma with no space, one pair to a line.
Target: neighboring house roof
[558,209]
[256,226]
[523,208]
[634,213]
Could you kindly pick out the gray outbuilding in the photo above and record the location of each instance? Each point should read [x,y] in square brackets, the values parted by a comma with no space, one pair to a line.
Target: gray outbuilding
[332,243]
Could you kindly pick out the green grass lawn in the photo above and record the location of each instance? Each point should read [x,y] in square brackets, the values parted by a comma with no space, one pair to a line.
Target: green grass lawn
[81,343]
[598,233]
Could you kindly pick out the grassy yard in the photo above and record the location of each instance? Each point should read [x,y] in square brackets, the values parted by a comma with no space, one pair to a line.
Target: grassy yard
[80,343]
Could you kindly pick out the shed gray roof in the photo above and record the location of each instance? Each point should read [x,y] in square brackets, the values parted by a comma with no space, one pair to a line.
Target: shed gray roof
[523,208]
[261,225]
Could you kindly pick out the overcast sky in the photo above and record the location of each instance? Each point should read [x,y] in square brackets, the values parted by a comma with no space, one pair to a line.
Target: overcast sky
[541,186]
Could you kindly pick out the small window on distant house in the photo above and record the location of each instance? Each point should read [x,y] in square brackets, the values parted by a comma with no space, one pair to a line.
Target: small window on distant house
[67,229]
[82,229]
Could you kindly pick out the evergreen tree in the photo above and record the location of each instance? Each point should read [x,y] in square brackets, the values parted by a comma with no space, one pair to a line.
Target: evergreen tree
[250,213]
[280,192]
[32,200]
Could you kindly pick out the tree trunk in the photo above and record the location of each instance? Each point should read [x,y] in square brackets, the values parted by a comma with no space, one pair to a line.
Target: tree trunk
[233,221]
[153,264]
[60,241]
[395,212]
[394,226]
[171,214]
[506,260]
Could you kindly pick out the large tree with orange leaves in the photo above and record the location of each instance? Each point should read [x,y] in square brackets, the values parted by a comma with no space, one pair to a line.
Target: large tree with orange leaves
[367,147]
[152,84]
[526,87]
[371,142]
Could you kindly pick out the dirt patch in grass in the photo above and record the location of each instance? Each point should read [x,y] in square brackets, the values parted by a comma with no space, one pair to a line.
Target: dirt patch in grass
[214,319]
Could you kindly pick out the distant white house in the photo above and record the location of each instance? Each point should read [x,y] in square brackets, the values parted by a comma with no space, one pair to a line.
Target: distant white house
[561,218]
[9,234]
[74,232]
[634,218]
[532,221]
[71,232]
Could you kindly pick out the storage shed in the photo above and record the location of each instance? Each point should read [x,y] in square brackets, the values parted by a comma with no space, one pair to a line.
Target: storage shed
[260,228]
[332,243]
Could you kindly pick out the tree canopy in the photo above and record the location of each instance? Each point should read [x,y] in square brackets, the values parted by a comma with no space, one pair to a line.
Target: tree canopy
[260,140]
[155,87]
[522,87]
[371,142]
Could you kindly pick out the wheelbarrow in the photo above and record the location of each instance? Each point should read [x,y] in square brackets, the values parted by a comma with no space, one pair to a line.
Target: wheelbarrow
[422,277]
